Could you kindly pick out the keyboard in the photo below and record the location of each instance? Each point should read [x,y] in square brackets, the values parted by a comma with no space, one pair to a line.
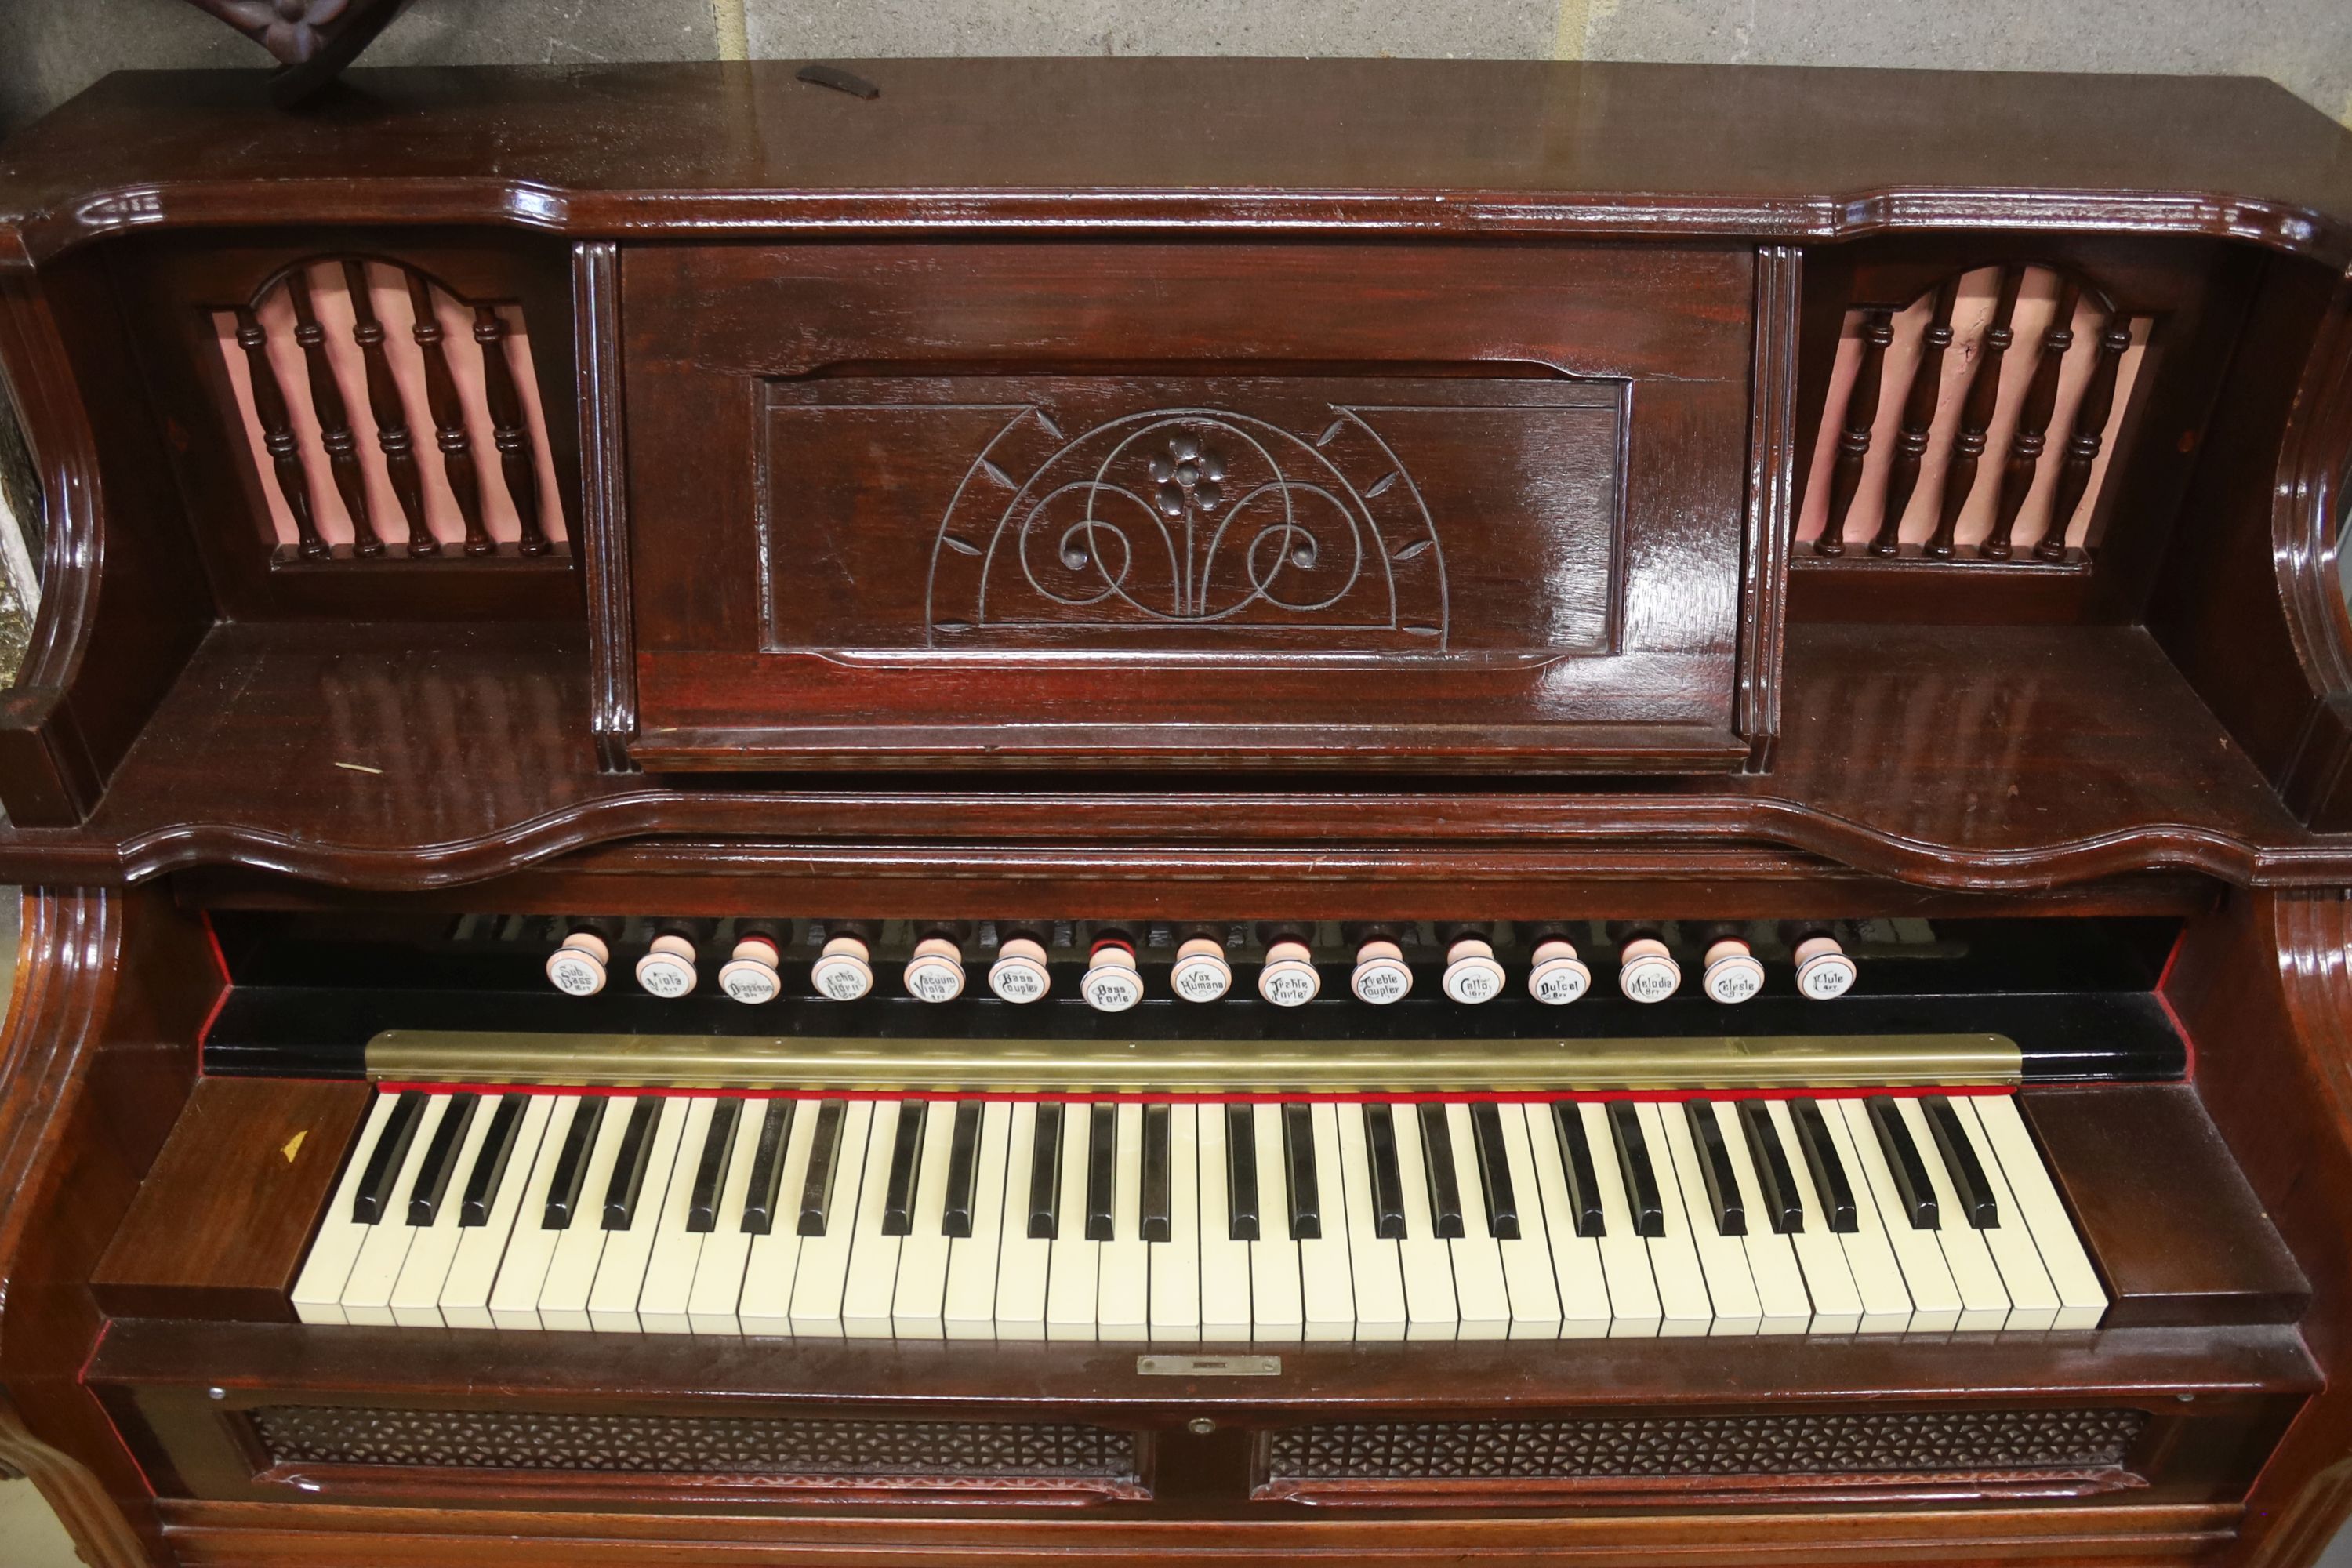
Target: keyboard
[1192,1219]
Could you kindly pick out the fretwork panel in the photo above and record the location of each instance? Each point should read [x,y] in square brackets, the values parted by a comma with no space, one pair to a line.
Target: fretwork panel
[1961,426]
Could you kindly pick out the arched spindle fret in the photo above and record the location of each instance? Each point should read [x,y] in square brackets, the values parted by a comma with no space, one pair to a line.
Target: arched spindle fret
[2089,433]
[1853,440]
[1907,462]
[335,421]
[1976,415]
[456,409]
[278,433]
[448,417]
[390,416]
[2027,441]
[508,431]
[1918,422]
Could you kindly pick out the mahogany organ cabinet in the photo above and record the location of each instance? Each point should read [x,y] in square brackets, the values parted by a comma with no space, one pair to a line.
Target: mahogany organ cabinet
[1251,810]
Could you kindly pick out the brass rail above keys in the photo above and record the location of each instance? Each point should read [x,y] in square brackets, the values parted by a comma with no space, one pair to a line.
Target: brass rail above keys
[1194,1066]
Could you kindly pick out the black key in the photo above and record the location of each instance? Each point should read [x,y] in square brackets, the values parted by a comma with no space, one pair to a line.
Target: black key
[1437,1171]
[963,1166]
[1715,1168]
[432,1183]
[710,1167]
[374,1196]
[1158,1223]
[1960,1163]
[1388,1179]
[760,1195]
[1783,1205]
[1830,1182]
[1298,1172]
[1045,1175]
[1495,1171]
[1633,1162]
[1102,1171]
[571,1166]
[905,1154]
[1576,1165]
[823,1166]
[1241,1172]
[490,1161]
[628,1183]
[1912,1187]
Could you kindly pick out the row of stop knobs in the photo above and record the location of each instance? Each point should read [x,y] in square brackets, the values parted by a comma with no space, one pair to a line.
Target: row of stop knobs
[1112,982]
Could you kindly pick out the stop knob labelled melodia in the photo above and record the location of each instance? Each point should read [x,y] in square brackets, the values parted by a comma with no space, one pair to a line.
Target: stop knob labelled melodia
[843,970]
[1111,984]
[1202,971]
[749,975]
[1646,971]
[1288,977]
[580,965]
[1019,973]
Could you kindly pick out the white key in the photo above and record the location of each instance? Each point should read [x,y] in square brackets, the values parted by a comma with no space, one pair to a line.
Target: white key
[1023,1260]
[367,1294]
[771,1271]
[1730,1288]
[1528,1262]
[1426,1257]
[2032,1299]
[1277,1311]
[571,1274]
[1224,1262]
[1935,1299]
[1682,1297]
[416,1294]
[1880,1300]
[319,1288]
[2082,1301]
[725,1251]
[530,1245]
[1635,1310]
[870,1288]
[1480,1294]
[1075,1262]
[1575,1260]
[664,1300]
[1984,1301]
[917,1306]
[1781,1295]
[1327,1287]
[823,1272]
[465,1300]
[1176,1262]
[1375,1276]
[628,1252]
[968,1311]
[1123,1271]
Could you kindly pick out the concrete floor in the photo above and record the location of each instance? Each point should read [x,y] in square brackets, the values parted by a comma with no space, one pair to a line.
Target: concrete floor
[30,1536]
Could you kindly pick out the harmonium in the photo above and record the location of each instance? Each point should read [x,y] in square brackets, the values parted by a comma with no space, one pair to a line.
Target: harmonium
[1204,810]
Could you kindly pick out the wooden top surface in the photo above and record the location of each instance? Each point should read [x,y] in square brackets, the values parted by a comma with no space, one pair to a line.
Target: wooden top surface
[1432,145]
[364,756]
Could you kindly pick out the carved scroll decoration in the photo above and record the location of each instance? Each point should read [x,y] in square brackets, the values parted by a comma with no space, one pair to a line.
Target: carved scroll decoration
[1198,518]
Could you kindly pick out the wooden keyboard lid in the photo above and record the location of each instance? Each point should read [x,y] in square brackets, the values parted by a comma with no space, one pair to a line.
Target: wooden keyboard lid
[1447,506]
